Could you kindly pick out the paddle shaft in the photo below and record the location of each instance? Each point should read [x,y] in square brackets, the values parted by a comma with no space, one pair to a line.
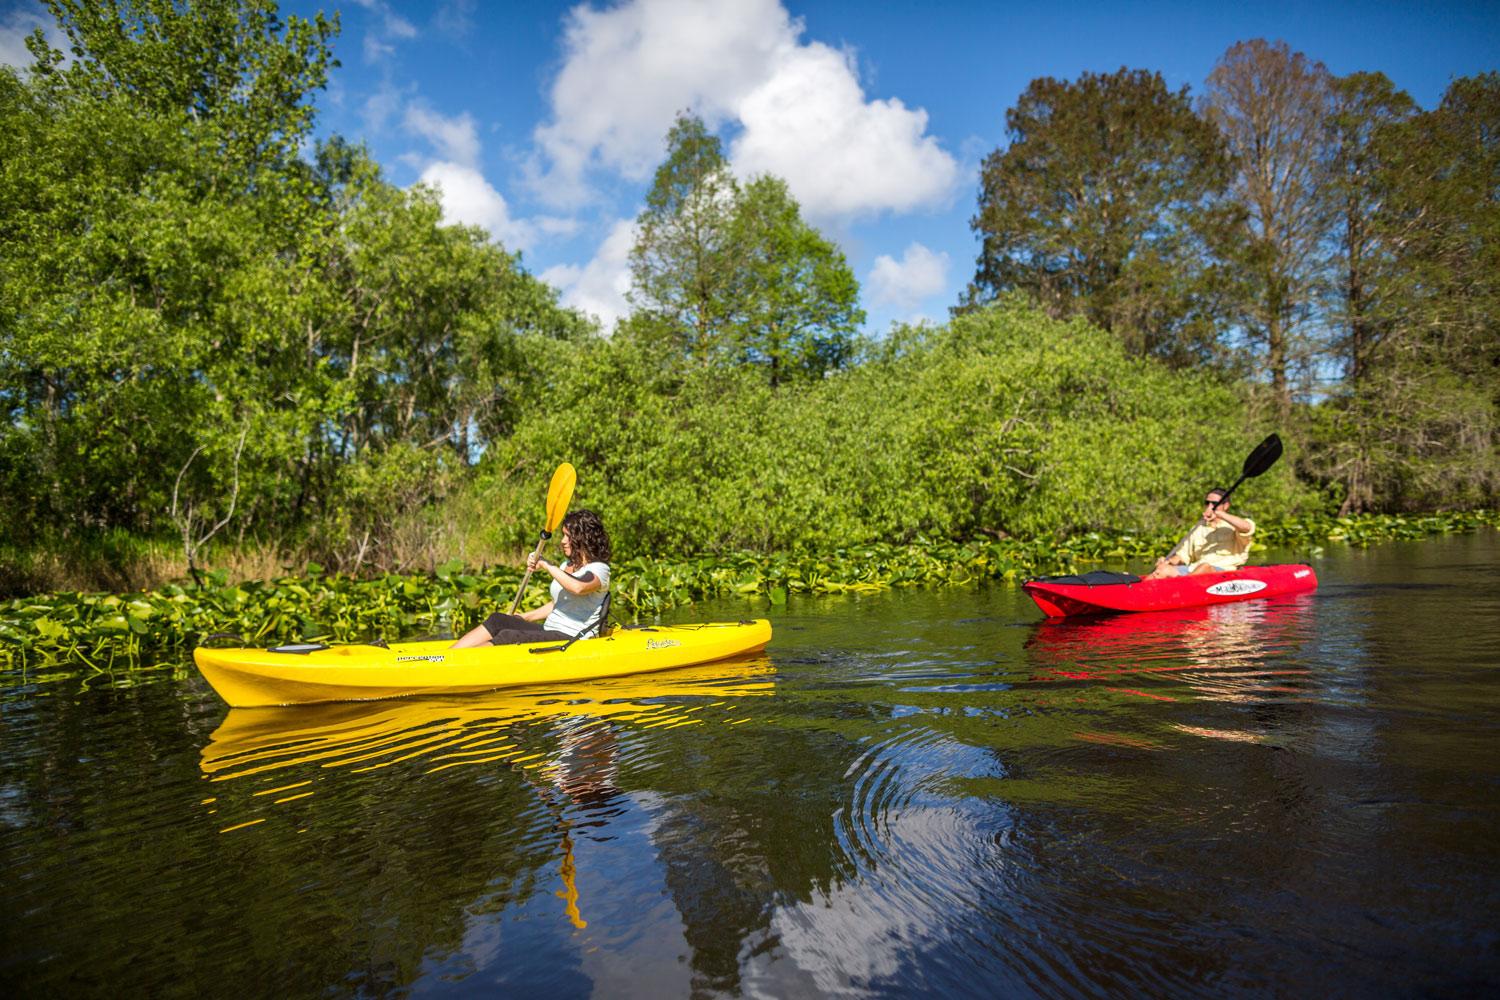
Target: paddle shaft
[1225,498]
[527,577]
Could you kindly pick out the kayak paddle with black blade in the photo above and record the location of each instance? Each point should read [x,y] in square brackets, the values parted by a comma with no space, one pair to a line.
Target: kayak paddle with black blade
[1262,458]
[559,495]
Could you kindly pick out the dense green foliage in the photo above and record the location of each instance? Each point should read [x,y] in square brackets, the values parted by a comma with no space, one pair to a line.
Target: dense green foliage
[204,330]
[1097,207]
[1003,423]
[1319,236]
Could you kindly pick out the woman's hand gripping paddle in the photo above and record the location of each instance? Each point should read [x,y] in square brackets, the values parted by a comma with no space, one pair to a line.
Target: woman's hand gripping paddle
[1262,458]
[559,495]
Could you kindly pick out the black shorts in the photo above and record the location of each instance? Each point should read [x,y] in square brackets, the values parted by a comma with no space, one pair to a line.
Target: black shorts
[507,629]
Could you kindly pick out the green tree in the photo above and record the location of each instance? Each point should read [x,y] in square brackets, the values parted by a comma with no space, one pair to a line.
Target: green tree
[430,344]
[1094,209]
[199,326]
[684,261]
[232,60]
[1349,439]
[1417,423]
[1273,107]
[1006,418]
[725,273]
[1436,373]
[1363,104]
[797,302]
[132,236]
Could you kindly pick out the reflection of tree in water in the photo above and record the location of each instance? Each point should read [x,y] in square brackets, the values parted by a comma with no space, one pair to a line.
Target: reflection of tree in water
[748,823]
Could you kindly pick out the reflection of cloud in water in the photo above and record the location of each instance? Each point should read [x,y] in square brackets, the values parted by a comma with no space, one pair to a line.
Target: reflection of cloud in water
[869,928]
[1233,735]
[632,939]
[913,847]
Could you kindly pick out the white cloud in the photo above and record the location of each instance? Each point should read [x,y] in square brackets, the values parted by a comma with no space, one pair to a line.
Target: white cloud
[453,169]
[841,156]
[904,283]
[13,31]
[397,26]
[599,287]
[455,18]
[455,138]
[628,70]
[469,199]
[380,107]
[375,50]
[393,27]
[392,24]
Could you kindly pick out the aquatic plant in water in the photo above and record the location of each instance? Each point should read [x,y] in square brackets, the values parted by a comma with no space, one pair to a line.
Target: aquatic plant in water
[130,631]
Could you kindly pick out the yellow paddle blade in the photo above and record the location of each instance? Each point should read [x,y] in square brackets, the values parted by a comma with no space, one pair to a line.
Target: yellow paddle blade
[560,494]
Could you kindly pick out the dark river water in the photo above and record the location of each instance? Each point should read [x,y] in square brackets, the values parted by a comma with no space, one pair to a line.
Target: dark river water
[911,793]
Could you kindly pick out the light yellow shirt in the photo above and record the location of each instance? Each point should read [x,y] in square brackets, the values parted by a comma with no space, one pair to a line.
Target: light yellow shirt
[1219,545]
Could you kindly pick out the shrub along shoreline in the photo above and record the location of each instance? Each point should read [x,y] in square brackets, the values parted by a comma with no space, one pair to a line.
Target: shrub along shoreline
[106,632]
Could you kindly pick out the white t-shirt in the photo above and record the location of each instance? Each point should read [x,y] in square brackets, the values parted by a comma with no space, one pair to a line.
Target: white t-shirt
[572,613]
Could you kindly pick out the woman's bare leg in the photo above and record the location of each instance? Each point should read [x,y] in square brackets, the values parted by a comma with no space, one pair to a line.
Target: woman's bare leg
[476,636]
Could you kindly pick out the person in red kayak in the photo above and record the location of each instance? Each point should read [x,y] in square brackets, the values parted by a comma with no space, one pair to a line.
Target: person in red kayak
[1219,542]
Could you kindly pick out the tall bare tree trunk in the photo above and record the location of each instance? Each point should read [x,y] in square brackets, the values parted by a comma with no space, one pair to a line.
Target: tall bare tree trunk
[1272,106]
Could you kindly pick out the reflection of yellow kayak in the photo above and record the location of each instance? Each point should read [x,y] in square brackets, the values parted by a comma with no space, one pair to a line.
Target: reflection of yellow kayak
[449,730]
[249,677]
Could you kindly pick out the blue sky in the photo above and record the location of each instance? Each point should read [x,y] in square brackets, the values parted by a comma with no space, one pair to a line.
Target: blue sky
[543,121]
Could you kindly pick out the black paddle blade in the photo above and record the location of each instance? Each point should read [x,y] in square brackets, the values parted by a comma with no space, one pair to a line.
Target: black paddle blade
[1263,457]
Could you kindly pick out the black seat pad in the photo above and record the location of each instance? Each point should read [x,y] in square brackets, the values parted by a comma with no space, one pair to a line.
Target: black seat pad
[1094,578]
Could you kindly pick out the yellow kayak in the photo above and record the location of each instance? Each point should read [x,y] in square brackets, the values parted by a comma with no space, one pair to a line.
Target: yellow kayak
[296,675]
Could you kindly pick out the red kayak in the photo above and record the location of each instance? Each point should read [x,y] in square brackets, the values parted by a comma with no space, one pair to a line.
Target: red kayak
[1104,593]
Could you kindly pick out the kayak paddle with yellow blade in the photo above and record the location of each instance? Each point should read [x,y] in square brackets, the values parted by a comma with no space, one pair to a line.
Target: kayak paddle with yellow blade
[559,495]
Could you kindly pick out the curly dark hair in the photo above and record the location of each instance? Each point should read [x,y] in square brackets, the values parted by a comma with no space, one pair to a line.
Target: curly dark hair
[590,540]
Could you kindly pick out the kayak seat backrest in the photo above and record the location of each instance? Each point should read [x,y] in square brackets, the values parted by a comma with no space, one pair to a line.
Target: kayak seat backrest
[1094,578]
[595,627]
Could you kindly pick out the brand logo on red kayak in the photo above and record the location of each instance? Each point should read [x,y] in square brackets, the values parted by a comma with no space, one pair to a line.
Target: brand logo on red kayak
[430,658]
[661,643]
[1236,588]
[1301,573]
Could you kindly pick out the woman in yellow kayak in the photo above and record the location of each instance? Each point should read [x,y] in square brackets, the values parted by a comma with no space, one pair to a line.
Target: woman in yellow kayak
[578,588]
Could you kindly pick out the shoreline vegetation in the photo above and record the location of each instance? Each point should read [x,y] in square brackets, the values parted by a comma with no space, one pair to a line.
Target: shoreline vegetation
[108,632]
